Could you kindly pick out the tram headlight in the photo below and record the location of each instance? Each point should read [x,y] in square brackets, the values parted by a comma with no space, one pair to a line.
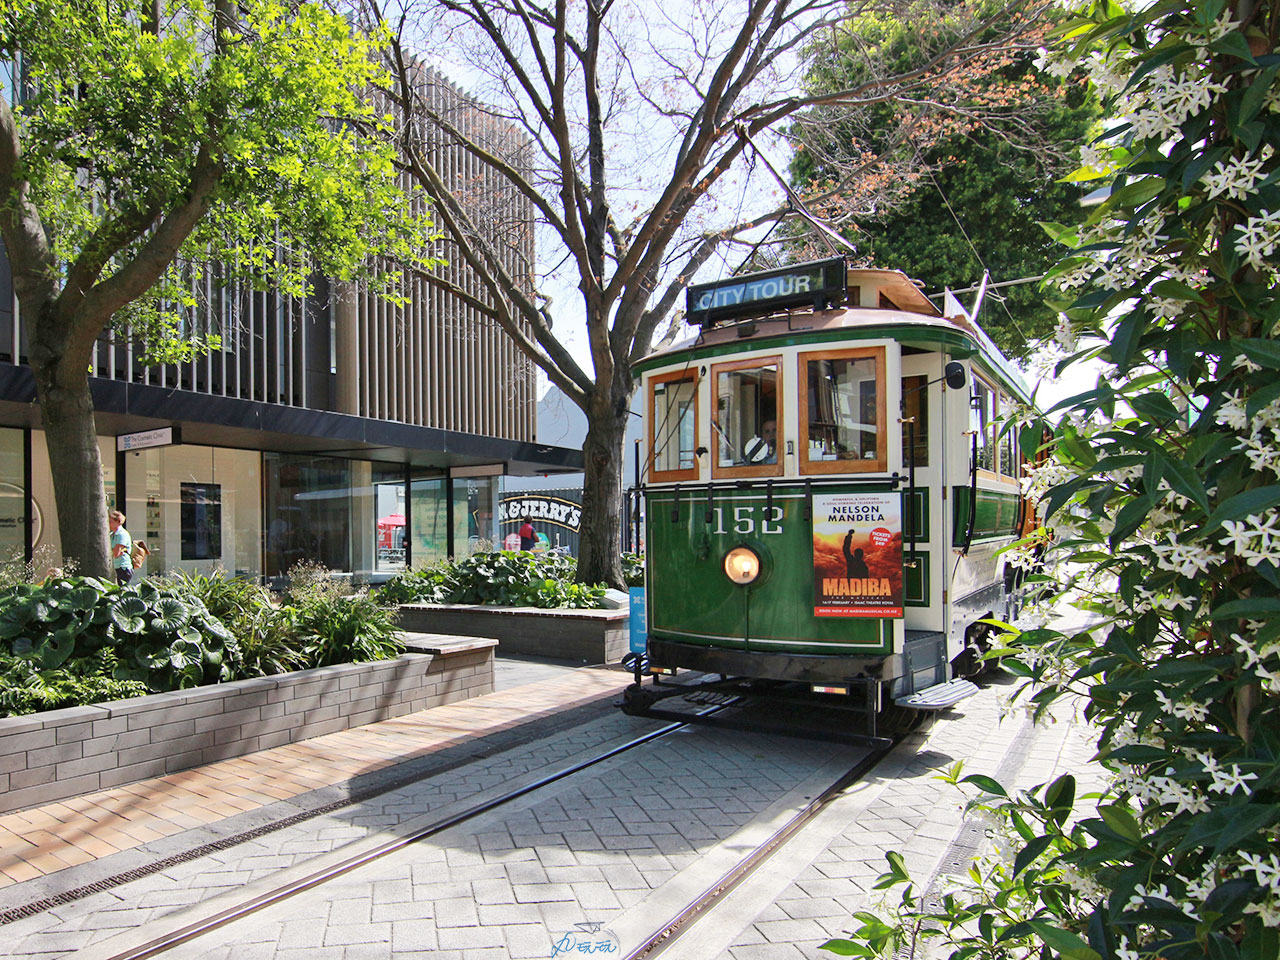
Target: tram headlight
[742,565]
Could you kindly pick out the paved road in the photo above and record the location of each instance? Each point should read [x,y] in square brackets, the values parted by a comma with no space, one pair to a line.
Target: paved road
[606,856]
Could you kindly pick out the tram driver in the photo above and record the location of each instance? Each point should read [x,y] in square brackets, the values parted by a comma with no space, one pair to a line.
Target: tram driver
[764,448]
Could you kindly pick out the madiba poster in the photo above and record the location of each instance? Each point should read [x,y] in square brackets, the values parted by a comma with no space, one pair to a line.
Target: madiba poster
[857,554]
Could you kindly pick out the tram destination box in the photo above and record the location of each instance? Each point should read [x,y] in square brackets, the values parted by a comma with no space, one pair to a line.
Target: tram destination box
[819,285]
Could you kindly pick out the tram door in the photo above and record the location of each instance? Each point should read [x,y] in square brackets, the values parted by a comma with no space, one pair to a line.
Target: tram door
[925,439]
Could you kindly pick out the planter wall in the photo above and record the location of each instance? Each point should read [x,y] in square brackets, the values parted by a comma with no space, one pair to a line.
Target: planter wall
[65,753]
[588,636]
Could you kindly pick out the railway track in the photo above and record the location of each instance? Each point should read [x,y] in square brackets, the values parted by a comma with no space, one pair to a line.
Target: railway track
[170,933]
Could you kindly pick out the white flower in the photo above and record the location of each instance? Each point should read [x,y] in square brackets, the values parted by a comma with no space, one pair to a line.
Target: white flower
[1268,910]
[1236,178]
[1258,238]
[1266,871]
[1229,781]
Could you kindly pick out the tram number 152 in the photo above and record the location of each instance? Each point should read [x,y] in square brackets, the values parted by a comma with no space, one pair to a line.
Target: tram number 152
[744,520]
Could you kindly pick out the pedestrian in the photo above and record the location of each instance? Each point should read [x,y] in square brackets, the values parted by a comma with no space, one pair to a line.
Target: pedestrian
[121,548]
[528,536]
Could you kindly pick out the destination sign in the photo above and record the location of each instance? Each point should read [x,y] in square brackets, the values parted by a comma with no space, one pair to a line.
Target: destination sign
[820,285]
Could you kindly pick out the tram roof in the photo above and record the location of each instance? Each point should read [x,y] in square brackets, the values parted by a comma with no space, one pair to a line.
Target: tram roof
[901,312]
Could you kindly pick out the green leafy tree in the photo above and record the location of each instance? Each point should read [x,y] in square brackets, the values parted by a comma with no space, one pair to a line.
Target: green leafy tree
[953,181]
[141,141]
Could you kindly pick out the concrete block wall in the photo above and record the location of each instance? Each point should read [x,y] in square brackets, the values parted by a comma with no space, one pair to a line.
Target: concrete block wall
[65,753]
[588,636]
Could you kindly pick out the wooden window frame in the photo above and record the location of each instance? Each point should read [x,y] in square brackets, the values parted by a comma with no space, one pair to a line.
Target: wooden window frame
[881,463]
[747,470]
[689,375]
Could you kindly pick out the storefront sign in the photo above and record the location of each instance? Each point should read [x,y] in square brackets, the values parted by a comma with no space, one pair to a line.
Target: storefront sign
[857,555]
[160,437]
[553,510]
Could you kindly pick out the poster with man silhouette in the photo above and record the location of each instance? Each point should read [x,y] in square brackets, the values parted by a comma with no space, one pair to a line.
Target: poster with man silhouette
[857,554]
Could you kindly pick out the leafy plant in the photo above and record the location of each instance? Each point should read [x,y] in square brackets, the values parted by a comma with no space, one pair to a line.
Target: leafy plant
[425,585]
[160,638]
[509,578]
[1162,497]
[27,688]
[263,630]
[633,569]
[351,629]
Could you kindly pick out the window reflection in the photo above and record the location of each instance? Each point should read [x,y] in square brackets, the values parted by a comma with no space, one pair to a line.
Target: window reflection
[674,425]
[915,403]
[842,409]
[746,421]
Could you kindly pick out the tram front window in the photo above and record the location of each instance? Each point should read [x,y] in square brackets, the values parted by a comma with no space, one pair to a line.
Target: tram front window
[746,417]
[674,425]
[843,412]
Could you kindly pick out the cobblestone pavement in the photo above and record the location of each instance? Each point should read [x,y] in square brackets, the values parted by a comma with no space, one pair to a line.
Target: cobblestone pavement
[76,925]
[635,836]
[608,855]
[807,893]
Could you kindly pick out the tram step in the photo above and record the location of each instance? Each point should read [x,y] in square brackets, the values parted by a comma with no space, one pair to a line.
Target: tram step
[938,696]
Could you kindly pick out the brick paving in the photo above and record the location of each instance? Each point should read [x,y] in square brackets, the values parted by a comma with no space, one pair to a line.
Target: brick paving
[50,838]
[624,845]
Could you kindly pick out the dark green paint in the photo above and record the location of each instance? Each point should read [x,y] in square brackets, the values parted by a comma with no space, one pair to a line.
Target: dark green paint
[959,344]
[689,593]
[915,580]
[997,515]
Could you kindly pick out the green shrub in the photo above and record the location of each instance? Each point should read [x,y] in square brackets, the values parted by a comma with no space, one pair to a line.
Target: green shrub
[507,578]
[427,585]
[633,569]
[160,637]
[26,688]
[263,630]
[512,578]
[353,629]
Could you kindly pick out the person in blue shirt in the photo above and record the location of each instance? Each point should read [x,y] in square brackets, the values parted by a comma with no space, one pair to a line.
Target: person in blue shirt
[121,548]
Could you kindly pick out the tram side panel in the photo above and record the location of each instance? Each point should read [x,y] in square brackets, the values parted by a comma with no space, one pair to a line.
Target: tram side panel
[699,619]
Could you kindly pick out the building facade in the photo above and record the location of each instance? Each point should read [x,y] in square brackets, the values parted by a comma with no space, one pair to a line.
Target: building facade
[339,428]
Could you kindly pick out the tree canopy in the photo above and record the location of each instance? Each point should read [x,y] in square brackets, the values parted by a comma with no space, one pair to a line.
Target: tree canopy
[141,142]
[953,181]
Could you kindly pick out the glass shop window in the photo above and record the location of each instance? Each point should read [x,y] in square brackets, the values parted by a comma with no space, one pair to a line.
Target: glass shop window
[844,406]
[674,428]
[746,418]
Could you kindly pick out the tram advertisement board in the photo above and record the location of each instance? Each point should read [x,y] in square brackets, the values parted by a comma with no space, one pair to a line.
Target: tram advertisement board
[857,554]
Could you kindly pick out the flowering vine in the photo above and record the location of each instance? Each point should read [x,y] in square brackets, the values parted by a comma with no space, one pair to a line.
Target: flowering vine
[1160,498]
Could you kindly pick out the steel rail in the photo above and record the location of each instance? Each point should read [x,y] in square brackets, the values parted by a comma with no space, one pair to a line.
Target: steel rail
[676,927]
[174,938]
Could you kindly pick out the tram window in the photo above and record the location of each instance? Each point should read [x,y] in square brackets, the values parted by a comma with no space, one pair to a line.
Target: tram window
[915,403]
[842,426]
[981,420]
[746,415]
[1005,445]
[674,424]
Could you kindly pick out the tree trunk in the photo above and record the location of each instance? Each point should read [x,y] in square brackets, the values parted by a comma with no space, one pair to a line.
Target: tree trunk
[66,407]
[600,540]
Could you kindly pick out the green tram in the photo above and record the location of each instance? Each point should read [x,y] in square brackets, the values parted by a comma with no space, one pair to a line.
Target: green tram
[826,491]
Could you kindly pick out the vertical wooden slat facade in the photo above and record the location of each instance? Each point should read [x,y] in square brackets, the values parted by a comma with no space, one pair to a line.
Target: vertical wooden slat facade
[433,361]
